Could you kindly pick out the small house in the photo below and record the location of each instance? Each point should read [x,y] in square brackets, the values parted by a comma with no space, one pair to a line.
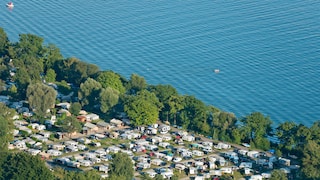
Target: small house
[103,168]
[116,122]
[25,129]
[71,143]
[86,163]
[253,154]
[59,135]
[156,139]
[247,171]
[143,165]
[62,160]
[167,174]
[34,152]
[103,125]
[188,138]
[141,142]
[163,129]
[207,149]
[152,147]
[215,172]
[63,105]
[89,127]
[222,146]
[192,170]
[255,177]
[212,165]
[53,152]
[151,173]
[156,162]
[45,134]
[243,152]
[226,170]
[207,143]
[151,131]
[73,164]
[81,118]
[92,117]
[37,126]
[180,167]
[245,165]
[114,135]
[284,161]
[113,149]
[186,154]
[166,137]
[58,147]
[197,153]
[164,144]
[126,136]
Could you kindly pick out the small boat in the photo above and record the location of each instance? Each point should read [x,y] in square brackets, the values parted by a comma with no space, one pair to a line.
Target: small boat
[10,5]
[216,71]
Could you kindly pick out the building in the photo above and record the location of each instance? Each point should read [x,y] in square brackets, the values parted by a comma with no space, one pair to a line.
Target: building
[116,122]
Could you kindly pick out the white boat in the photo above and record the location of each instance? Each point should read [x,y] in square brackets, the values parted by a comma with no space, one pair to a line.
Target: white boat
[10,5]
[217,71]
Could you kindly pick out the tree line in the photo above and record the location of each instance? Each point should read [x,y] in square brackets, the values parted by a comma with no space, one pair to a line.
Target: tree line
[27,66]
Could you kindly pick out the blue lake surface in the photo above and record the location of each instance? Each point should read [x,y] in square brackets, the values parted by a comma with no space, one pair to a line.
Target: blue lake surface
[268,52]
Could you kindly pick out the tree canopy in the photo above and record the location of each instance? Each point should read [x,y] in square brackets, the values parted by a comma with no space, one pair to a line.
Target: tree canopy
[110,79]
[89,92]
[311,160]
[255,129]
[121,167]
[41,97]
[278,175]
[70,124]
[6,126]
[143,109]
[22,166]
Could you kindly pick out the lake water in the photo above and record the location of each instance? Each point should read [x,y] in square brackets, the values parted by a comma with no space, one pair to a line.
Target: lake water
[268,52]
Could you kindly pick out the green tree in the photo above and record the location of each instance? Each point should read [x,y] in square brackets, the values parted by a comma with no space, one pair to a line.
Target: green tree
[70,124]
[278,175]
[41,97]
[61,174]
[51,56]
[256,127]
[13,90]
[121,167]
[143,109]
[175,103]
[22,79]
[50,75]
[89,92]
[22,166]
[302,135]
[193,115]
[108,97]
[159,177]
[315,131]
[286,133]
[4,42]
[223,124]
[136,83]
[6,126]
[75,108]
[110,79]
[30,44]
[164,93]
[74,71]
[236,136]
[311,160]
